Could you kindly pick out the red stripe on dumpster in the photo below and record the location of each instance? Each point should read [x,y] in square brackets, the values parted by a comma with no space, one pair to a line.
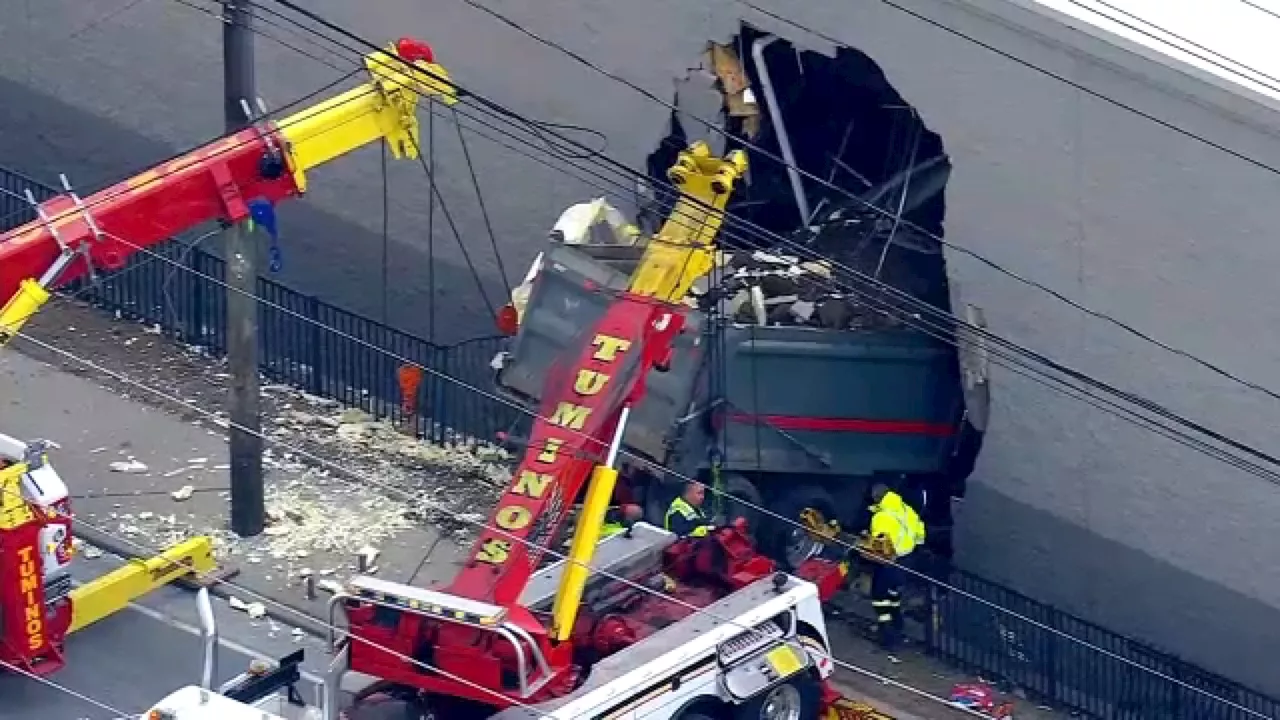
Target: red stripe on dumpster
[818,424]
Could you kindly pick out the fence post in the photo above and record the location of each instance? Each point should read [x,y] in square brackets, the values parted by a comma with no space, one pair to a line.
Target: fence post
[315,382]
[195,317]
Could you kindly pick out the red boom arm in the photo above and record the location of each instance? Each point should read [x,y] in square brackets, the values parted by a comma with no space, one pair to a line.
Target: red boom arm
[210,183]
[569,438]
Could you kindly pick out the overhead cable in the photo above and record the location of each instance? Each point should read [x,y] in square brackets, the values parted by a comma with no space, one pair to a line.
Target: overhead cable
[366,480]
[744,502]
[912,302]
[794,523]
[717,128]
[897,295]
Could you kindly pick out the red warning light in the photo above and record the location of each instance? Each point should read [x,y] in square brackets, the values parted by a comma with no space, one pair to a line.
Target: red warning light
[508,320]
[414,50]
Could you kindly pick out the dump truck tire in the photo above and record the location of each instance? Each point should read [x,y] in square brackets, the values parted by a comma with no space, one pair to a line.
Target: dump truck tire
[743,501]
[782,539]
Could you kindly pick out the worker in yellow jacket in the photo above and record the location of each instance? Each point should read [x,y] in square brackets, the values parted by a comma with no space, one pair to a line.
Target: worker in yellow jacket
[684,516]
[893,520]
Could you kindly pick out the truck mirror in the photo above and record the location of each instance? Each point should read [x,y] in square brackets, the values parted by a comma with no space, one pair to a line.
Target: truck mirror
[209,636]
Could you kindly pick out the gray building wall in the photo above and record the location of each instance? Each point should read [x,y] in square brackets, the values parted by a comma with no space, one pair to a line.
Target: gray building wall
[1069,504]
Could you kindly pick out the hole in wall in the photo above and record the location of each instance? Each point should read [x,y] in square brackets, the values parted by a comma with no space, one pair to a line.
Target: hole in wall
[846,124]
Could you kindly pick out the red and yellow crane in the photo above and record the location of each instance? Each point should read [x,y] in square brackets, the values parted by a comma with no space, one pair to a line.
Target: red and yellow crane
[476,636]
[73,237]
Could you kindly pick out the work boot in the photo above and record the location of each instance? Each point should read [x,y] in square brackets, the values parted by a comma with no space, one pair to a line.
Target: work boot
[887,636]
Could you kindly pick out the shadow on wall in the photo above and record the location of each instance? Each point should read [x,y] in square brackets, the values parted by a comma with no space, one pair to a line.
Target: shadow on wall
[1214,626]
[324,255]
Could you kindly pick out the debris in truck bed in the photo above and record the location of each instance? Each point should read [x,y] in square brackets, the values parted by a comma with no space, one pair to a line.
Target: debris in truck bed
[763,288]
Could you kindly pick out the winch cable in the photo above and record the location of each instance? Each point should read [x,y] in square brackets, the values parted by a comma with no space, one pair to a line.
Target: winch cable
[484,210]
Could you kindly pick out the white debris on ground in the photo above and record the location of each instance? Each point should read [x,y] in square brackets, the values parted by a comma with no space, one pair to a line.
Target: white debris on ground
[338,480]
[340,483]
[442,484]
[130,466]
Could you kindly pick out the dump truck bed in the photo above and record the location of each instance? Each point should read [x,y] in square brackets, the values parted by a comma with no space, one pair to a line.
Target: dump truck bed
[796,399]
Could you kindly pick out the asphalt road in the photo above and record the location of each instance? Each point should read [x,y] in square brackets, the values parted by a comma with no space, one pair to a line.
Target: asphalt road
[131,660]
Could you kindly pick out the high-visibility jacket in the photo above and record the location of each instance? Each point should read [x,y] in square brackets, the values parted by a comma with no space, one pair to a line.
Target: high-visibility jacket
[612,523]
[686,520]
[894,519]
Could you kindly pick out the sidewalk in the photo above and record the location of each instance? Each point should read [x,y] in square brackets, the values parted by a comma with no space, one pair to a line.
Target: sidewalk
[152,472]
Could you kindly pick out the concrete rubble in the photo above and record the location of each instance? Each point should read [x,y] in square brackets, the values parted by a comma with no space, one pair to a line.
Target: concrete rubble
[343,484]
[761,288]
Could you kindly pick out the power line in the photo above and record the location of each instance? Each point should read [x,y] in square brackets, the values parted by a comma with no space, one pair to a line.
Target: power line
[944,332]
[371,481]
[970,329]
[746,503]
[1096,314]
[66,690]
[368,480]
[715,127]
[982,333]
[1182,39]
[1261,8]
[1006,610]
[766,511]
[898,295]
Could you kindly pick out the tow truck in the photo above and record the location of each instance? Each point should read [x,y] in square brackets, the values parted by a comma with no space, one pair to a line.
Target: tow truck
[641,624]
[235,178]
[657,627]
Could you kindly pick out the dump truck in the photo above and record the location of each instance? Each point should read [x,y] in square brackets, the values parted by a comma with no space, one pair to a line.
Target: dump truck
[793,416]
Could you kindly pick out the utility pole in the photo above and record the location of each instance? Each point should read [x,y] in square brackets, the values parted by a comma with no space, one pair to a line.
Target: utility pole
[248,511]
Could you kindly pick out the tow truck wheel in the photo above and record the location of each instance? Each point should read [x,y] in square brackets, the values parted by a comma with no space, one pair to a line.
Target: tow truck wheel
[796,699]
[388,701]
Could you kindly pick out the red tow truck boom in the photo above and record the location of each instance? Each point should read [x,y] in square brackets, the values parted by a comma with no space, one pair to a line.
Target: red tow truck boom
[266,162]
[491,643]
[73,237]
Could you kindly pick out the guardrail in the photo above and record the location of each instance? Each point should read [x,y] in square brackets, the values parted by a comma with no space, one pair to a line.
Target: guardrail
[332,353]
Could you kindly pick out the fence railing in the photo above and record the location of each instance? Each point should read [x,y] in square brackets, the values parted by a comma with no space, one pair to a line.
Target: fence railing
[332,353]
[303,341]
[1068,662]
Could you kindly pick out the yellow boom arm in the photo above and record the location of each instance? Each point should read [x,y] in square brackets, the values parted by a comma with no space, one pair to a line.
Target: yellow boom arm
[384,109]
[684,249]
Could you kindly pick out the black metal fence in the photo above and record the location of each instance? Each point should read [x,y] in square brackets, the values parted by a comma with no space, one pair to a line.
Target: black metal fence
[304,342]
[336,354]
[1063,661]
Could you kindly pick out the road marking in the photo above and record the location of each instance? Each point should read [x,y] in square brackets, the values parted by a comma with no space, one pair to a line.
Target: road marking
[231,645]
[224,642]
